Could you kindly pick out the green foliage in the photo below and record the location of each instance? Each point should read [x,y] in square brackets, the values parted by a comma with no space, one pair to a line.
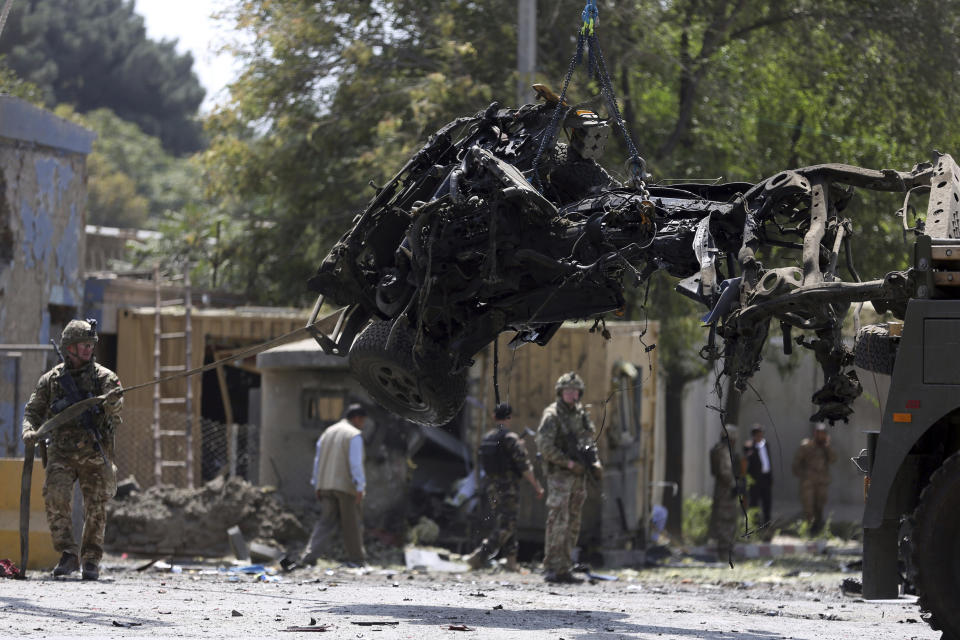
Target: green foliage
[95,54]
[755,517]
[132,180]
[334,94]
[11,84]
[696,519]
[203,237]
[805,530]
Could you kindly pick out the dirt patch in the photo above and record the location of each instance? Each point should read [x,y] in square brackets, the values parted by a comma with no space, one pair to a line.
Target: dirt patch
[193,522]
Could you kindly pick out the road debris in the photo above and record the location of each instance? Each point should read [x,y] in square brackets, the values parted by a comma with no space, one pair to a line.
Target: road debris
[427,559]
[318,629]
[8,569]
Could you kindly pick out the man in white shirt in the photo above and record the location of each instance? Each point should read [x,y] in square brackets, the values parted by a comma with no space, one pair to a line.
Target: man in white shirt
[760,469]
[339,482]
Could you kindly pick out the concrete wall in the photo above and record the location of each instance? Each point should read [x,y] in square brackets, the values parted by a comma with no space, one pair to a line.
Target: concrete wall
[780,400]
[42,219]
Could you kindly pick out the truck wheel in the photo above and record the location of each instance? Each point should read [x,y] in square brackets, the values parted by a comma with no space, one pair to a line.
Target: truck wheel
[425,392]
[935,553]
[875,349]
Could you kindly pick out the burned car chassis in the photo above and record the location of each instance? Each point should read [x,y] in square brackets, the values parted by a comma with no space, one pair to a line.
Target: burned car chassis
[459,247]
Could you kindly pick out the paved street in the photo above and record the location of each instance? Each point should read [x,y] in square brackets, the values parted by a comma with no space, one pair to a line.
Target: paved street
[797,598]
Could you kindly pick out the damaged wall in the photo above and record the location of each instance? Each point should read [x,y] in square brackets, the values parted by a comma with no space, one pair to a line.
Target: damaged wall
[42,218]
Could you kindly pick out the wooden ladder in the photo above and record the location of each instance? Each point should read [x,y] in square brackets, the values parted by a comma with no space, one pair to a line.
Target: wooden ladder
[185,434]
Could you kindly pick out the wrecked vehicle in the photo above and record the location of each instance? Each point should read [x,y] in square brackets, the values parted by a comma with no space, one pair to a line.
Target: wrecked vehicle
[460,246]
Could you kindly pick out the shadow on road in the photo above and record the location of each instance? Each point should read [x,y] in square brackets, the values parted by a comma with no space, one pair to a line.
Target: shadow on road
[587,624]
[58,616]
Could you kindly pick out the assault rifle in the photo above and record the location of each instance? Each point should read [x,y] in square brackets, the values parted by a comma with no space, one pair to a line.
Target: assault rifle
[586,455]
[73,396]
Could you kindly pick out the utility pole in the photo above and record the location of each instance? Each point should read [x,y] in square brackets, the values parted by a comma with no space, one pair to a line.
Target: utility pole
[526,49]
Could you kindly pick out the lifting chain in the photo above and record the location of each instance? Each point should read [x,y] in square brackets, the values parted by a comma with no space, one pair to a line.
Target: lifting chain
[595,65]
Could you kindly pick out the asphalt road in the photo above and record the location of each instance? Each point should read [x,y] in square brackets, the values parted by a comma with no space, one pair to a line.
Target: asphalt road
[797,599]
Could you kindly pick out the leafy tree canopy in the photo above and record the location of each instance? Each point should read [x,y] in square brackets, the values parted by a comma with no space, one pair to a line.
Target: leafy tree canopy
[132,180]
[12,84]
[336,93]
[95,54]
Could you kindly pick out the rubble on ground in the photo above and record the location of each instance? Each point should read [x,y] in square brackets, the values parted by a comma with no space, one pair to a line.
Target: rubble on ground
[168,520]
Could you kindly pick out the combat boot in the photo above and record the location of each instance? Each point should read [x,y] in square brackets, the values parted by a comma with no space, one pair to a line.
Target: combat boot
[511,563]
[67,565]
[564,577]
[477,559]
[91,571]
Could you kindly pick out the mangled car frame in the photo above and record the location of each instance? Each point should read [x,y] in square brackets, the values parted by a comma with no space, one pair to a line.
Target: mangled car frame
[496,225]
[460,247]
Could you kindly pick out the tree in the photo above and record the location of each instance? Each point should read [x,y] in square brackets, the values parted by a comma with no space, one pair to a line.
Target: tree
[11,84]
[132,181]
[337,93]
[95,54]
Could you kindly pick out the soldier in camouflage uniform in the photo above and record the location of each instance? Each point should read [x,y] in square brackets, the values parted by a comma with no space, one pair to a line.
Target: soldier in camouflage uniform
[725,511]
[504,461]
[811,464]
[73,452]
[565,431]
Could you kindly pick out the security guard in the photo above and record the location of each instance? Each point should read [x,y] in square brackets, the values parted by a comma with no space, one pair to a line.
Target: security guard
[811,464]
[724,510]
[79,451]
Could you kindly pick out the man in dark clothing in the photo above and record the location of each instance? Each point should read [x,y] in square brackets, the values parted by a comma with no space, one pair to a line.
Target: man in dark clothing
[504,461]
[760,469]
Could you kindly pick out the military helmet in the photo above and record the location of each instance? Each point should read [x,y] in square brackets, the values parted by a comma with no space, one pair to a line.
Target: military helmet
[79,331]
[570,380]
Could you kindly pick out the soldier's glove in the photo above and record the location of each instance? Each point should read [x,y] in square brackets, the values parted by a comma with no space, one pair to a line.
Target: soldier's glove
[29,436]
[596,470]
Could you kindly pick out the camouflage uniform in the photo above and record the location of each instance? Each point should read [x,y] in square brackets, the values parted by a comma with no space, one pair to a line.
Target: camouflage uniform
[72,456]
[724,512]
[502,491]
[560,427]
[811,464]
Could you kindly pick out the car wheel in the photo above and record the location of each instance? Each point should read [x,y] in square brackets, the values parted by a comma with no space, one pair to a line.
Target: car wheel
[935,553]
[875,349]
[422,390]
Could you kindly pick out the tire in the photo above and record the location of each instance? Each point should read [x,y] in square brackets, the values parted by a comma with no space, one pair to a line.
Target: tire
[423,391]
[875,349]
[935,553]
